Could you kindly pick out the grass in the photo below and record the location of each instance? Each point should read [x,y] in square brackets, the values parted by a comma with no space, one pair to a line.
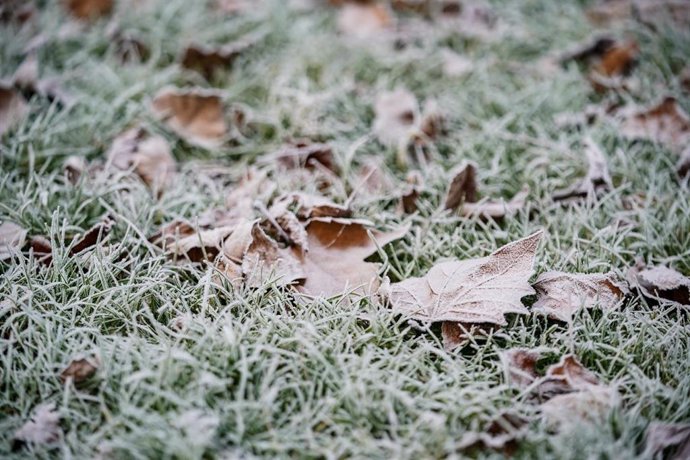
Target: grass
[255,374]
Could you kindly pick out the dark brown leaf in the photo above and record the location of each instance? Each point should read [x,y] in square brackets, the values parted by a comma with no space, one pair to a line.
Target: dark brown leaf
[79,370]
[88,9]
[660,283]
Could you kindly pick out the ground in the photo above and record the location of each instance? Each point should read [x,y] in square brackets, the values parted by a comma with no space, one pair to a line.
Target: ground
[255,374]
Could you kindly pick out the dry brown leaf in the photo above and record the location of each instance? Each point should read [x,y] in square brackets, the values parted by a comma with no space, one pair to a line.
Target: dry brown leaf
[588,405]
[196,115]
[471,291]
[74,167]
[661,437]
[17,12]
[490,209]
[236,6]
[335,261]
[608,61]
[92,236]
[88,9]
[303,154]
[520,365]
[396,116]
[12,238]
[253,186]
[457,334]
[560,295]
[683,165]
[501,434]
[13,108]
[265,261]
[414,187]
[665,122]
[596,181]
[42,249]
[26,78]
[42,428]
[200,245]
[364,20]
[660,282]
[308,206]
[374,179]
[149,155]
[463,186]
[79,370]
[208,60]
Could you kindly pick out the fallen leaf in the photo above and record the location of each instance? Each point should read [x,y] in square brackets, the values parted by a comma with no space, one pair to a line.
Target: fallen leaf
[662,436]
[471,291]
[42,249]
[12,238]
[665,122]
[92,236]
[252,187]
[590,405]
[501,434]
[26,78]
[196,115]
[560,295]
[265,261]
[79,370]
[396,117]
[208,60]
[608,61]
[307,206]
[491,209]
[473,19]
[42,428]
[13,108]
[303,154]
[414,187]
[364,20]
[596,181]
[335,261]
[149,155]
[88,9]
[683,165]
[19,12]
[235,6]
[74,167]
[454,64]
[198,246]
[463,186]
[520,365]
[660,282]
[456,334]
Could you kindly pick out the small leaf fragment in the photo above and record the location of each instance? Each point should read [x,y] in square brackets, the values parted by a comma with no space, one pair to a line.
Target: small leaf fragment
[12,238]
[42,428]
[79,370]
[13,108]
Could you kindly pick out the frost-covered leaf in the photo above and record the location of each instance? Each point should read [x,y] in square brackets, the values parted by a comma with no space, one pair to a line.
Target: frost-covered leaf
[471,291]
[42,428]
[80,369]
[673,439]
[303,154]
[596,181]
[88,9]
[660,282]
[362,20]
[560,295]
[12,238]
[197,115]
[396,116]
[463,186]
[493,209]
[665,122]
[208,60]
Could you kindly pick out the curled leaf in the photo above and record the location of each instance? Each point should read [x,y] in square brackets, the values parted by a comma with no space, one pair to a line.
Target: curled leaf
[560,295]
[208,60]
[463,186]
[471,291]
[596,180]
[665,122]
[492,209]
[150,156]
[661,437]
[79,370]
[196,115]
[660,282]
[304,154]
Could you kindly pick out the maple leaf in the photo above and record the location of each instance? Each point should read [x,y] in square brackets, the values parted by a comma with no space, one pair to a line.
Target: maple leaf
[561,295]
[42,428]
[196,115]
[471,291]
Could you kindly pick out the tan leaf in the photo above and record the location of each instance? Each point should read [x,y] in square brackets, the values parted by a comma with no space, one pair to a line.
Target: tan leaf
[665,122]
[196,115]
[596,180]
[200,245]
[150,156]
[42,428]
[501,434]
[463,186]
[335,261]
[608,61]
[12,238]
[264,261]
[660,282]
[661,436]
[373,178]
[491,209]
[309,206]
[396,116]
[13,108]
[456,334]
[364,20]
[560,295]
[471,291]
[88,9]
[588,405]
[253,186]
[208,60]
[79,370]
[303,154]
[520,365]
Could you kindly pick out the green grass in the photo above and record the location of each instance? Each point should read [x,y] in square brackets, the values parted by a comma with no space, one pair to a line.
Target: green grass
[256,374]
